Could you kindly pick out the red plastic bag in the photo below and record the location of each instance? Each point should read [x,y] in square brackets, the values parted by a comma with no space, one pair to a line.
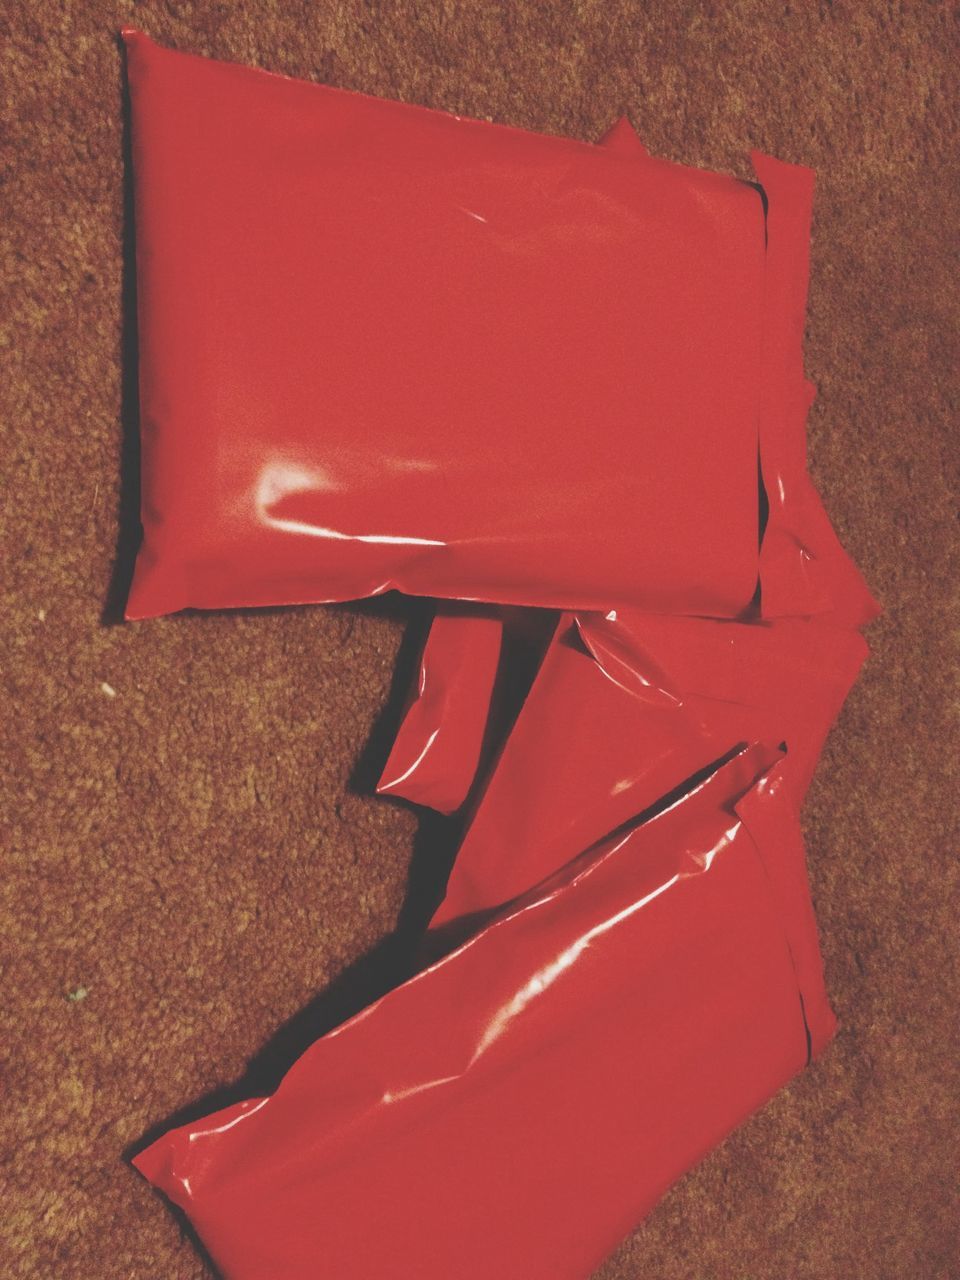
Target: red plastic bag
[385,347]
[538,1090]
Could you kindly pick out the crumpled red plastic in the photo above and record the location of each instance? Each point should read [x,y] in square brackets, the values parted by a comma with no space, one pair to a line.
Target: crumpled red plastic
[383,347]
[515,1109]
[438,747]
[634,963]
[436,753]
[614,724]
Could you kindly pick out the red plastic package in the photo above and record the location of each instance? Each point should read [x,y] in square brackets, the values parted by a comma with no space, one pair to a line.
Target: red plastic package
[613,725]
[385,347]
[539,1088]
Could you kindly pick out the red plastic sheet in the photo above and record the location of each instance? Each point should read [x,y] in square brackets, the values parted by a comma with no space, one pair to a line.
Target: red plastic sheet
[385,347]
[803,568]
[474,673]
[514,1110]
[437,750]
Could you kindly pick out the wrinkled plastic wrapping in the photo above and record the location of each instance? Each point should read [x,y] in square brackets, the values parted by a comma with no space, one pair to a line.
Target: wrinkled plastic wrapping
[539,1088]
[385,347]
[473,675]
[382,347]
[436,753]
[612,726]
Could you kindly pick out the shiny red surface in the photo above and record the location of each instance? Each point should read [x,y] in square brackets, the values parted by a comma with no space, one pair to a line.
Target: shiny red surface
[435,755]
[514,1110]
[384,347]
[804,570]
[604,735]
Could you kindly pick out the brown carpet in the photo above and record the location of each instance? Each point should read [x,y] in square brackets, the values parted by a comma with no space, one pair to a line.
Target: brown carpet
[189,855]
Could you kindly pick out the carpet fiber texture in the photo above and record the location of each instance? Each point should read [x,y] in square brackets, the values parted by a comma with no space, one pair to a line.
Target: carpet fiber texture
[194,872]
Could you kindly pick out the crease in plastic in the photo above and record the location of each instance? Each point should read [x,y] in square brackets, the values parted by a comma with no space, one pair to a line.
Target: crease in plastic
[664,946]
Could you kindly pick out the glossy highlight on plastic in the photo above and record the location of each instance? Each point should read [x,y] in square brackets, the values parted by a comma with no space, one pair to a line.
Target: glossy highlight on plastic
[436,753]
[621,713]
[539,1088]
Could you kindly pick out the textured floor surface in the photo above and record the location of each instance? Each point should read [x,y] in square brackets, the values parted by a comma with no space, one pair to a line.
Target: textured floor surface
[188,852]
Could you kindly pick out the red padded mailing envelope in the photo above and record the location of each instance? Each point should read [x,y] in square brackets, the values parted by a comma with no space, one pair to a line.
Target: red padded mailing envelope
[514,1110]
[384,347]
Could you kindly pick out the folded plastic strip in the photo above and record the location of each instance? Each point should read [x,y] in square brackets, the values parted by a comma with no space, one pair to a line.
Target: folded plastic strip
[804,570]
[769,814]
[535,1092]
[436,752]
